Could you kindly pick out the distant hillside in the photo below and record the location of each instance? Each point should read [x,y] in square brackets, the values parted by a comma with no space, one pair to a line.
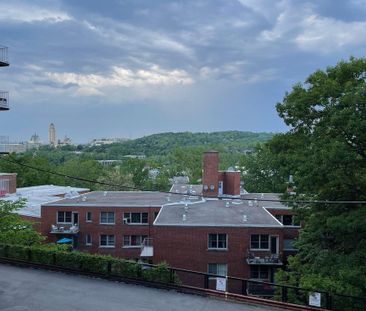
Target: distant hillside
[163,143]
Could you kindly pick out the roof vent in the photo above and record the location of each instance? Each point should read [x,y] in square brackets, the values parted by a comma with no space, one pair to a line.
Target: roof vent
[105,193]
[186,207]
[245,218]
[227,204]
[184,218]
[83,198]
[250,203]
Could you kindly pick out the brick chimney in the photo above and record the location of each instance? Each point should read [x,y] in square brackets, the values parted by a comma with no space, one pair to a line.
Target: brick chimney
[210,176]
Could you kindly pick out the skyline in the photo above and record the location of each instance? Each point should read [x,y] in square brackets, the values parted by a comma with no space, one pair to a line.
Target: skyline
[138,68]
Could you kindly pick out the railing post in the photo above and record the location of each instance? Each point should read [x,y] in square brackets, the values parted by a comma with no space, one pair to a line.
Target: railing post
[284,294]
[244,285]
[206,281]
[171,275]
[329,302]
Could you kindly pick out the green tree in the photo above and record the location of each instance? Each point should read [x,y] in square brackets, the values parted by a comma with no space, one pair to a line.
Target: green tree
[15,230]
[117,180]
[327,116]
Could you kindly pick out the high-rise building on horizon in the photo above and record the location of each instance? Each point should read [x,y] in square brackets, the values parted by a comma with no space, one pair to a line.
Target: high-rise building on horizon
[52,135]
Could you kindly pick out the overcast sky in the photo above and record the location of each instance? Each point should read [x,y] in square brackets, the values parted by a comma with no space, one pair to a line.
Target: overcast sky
[131,68]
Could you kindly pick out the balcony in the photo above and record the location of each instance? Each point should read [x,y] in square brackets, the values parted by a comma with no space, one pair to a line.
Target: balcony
[4,100]
[4,56]
[263,258]
[71,229]
[147,249]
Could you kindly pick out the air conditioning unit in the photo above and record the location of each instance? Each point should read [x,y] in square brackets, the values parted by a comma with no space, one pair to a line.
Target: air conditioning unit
[126,220]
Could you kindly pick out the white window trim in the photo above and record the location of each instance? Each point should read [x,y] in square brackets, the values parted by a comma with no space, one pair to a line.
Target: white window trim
[86,217]
[107,223]
[133,246]
[260,249]
[86,239]
[213,277]
[217,248]
[63,223]
[130,223]
[106,246]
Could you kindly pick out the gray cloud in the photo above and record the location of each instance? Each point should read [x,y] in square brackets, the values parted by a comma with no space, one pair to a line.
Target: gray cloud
[167,59]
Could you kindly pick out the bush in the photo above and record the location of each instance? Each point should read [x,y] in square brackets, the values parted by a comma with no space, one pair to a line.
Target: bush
[43,255]
[18,252]
[126,268]
[95,263]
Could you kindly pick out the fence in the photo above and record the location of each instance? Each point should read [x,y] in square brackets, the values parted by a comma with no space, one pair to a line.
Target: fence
[113,267]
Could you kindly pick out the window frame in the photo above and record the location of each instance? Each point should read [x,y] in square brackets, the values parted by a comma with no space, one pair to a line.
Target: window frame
[127,218]
[88,243]
[64,218]
[107,223]
[108,245]
[87,219]
[260,247]
[129,238]
[217,270]
[260,269]
[217,241]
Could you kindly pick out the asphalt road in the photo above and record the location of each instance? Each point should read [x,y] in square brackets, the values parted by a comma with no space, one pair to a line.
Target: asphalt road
[38,290]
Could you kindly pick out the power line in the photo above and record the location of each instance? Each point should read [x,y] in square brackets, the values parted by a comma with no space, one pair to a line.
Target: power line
[92,181]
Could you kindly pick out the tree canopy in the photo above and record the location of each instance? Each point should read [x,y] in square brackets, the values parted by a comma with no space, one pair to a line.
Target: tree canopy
[14,229]
[325,151]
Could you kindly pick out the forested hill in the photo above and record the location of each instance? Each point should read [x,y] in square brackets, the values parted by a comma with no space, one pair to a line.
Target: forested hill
[163,143]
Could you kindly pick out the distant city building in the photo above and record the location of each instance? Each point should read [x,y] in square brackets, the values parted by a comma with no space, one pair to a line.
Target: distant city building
[106,141]
[34,142]
[65,142]
[52,135]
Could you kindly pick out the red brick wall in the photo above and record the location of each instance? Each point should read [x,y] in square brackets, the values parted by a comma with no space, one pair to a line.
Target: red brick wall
[12,177]
[210,173]
[95,229]
[231,183]
[36,222]
[187,247]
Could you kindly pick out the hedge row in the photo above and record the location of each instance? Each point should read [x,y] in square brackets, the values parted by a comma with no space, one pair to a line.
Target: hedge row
[89,262]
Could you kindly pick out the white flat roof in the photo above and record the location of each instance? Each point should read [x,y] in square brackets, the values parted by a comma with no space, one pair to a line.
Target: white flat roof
[39,195]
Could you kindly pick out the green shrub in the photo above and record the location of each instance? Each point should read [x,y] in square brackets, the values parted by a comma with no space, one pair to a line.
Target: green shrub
[95,263]
[2,250]
[159,273]
[43,255]
[18,252]
[126,268]
[72,260]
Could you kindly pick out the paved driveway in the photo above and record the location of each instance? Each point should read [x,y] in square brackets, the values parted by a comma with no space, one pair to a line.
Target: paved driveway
[38,290]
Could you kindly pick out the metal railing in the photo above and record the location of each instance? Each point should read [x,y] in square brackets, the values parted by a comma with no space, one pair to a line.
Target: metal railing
[235,288]
[4,56]
[4,100]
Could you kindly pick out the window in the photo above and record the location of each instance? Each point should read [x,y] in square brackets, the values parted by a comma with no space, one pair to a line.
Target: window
[107,217]
[288,245]
[259,241]
[133,240]
[136,218]
[88,217]
[64,217]
[106,240]
[287,220]
[156,215]
[217,268]
[217,241]
[88,239]
[259,272]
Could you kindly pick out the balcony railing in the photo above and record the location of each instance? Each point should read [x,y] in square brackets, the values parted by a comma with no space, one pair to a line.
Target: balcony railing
[64,230]
[4,56]
[4,100]
[263,258]
[147,249]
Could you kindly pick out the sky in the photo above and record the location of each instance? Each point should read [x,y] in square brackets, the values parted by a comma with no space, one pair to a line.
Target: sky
[129,68]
